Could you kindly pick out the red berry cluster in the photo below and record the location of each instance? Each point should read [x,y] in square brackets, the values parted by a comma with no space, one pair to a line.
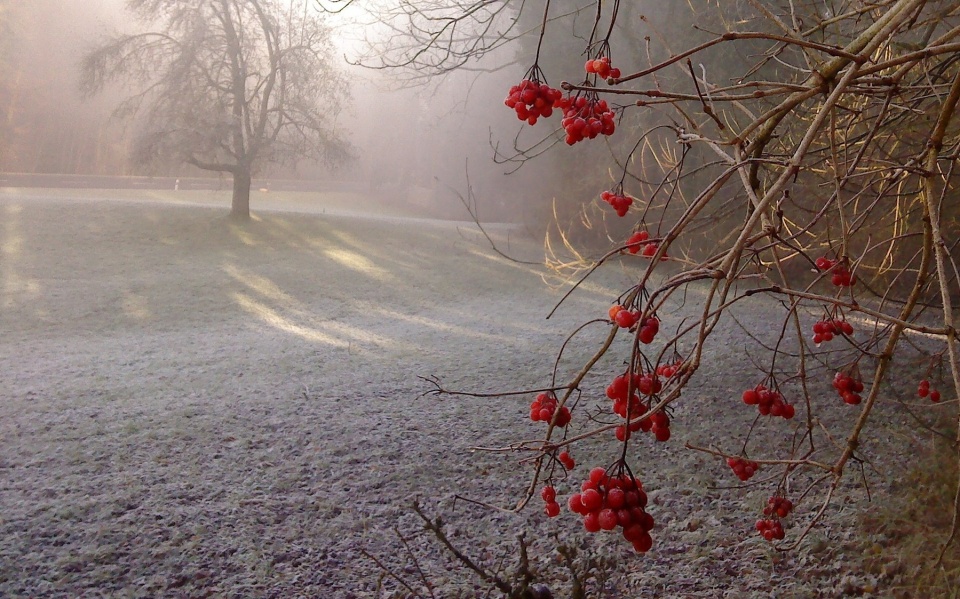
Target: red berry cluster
[669,370]
[824,330]
[661,425]
[617,391]
[544,406]
[549,495]
[647,384]
[624,318]
[601,67]
[649,327]
[841,277]
[924,390]
[621,203]
[778,507]
[636,240]
[771,529]
[606,502]
[658,423]
[823,263]
[769,402]
[566,460]
[743,468]
[532,100]
[848,387]
[650,250]
[586,118]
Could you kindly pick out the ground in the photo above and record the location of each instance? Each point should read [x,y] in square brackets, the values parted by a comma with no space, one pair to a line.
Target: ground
[195,408]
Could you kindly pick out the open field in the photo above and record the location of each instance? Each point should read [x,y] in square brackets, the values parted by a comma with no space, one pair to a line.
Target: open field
[192,408]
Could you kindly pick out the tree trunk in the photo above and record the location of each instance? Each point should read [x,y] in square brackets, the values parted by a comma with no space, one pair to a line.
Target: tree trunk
[240,208]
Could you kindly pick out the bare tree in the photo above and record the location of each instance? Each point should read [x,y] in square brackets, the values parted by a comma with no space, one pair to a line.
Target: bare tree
[226,86]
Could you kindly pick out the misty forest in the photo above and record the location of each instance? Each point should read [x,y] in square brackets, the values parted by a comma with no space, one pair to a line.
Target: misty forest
[479,299]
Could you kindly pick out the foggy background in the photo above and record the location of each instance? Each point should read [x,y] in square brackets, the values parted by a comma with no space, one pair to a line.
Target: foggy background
[414,143]
[411,144]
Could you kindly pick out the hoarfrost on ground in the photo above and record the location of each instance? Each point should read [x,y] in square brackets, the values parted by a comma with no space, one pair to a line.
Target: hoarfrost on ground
[191,408]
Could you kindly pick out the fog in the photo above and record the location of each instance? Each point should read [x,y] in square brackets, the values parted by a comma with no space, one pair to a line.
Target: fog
[414,144]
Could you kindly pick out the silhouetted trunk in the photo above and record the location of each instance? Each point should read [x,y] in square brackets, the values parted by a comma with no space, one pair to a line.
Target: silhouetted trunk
[240,208]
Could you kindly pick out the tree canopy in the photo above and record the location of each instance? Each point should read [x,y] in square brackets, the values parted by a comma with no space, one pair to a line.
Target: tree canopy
[226,86]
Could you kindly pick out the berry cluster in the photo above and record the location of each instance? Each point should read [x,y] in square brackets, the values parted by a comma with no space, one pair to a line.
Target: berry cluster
[824,330]
[601,67]
[532,100]
[617,391]
[661,425]
[624,318]
[924,390]
[778,507]
[636,240]
[769,402]
[621,203]
[649,384]
[841,277]
[606,502]
[649,327]
[848,387]
[650,250]
[586,118]
[544,406]
[770,529]
[743,468]
[658,423]
[566,460]
[549,495]
[669,370]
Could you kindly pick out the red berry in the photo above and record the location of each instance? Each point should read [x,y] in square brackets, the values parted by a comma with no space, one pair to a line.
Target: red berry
[591,522]
[615,498]
[598,474]
[646,336]
[549,494]
[626,319]
[591,500]
[644,543]
[607,519]
[621,433]
[636,240]
[633,532]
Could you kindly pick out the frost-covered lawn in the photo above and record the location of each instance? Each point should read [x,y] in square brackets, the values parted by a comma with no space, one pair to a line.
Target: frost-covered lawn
[192,408]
